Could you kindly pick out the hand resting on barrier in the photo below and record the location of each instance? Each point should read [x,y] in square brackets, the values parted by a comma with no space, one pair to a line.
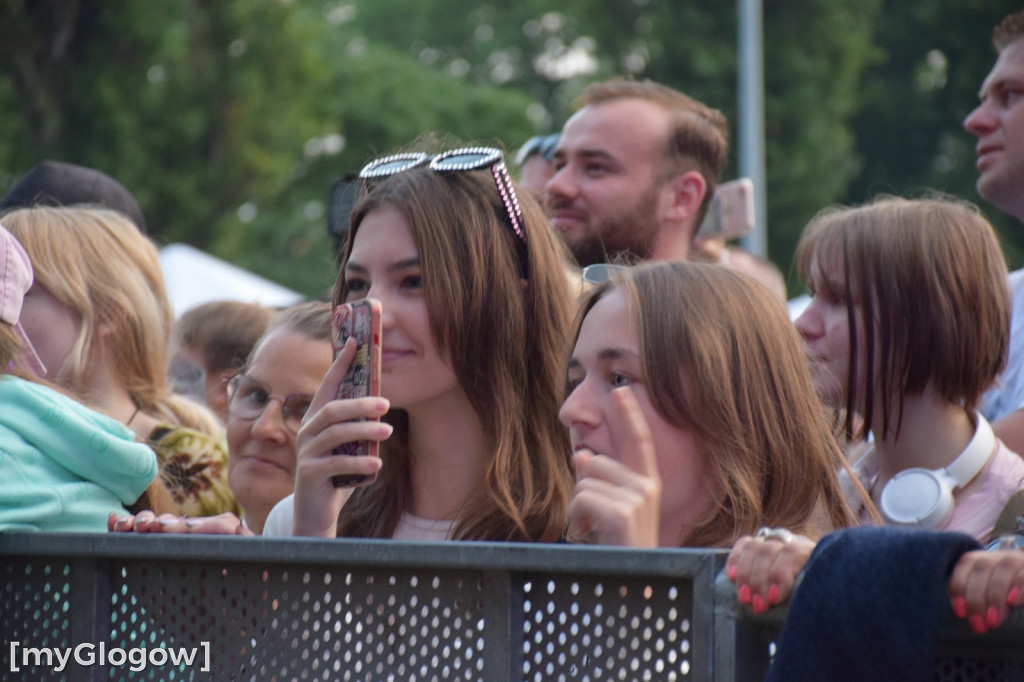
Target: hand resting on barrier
[764,567]
[985,585]
[148,522]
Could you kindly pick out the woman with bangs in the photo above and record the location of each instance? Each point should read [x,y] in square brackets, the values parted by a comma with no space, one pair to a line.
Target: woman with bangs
[907,328]
[475,306]
[693,428]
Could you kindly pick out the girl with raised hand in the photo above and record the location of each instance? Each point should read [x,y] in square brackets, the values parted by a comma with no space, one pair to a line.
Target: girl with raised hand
[908,326]
[692,414]
[475,308]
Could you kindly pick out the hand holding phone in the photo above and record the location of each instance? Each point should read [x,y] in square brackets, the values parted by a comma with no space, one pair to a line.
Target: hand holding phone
[360,320]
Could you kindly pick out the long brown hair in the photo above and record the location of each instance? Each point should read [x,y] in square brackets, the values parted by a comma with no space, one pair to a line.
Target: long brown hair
[504,336]
[721,359]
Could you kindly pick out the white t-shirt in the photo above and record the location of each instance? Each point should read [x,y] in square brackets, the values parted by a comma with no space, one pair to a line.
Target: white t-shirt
[281,521]
[1008,394]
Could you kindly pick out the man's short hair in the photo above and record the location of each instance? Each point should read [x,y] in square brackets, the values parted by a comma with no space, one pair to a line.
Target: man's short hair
[1009,30]
[224,332]
[700,134]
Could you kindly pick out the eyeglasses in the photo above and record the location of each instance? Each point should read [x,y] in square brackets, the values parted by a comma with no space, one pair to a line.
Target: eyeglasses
[247,398]
[600,272]
[466,159]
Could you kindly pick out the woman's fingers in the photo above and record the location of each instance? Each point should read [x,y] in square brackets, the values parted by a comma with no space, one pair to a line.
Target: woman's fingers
[604,517]
[764,569]
[612,503]
[331,383]
[118,523]
[610,470]
[631,435]
[148,522]
[317,444]
[985,586]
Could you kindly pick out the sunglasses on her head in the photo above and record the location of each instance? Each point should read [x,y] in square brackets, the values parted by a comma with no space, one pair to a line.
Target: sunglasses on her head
[456,160]
[247,398]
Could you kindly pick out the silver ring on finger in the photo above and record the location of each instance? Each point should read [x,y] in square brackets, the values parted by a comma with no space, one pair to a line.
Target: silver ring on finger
[781,534]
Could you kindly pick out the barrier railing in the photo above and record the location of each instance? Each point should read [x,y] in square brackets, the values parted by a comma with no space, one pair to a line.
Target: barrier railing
[123,607]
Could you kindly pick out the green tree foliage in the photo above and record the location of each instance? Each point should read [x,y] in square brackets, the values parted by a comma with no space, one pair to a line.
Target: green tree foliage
[230,120]
[933,59]
[816,52]
[227,120]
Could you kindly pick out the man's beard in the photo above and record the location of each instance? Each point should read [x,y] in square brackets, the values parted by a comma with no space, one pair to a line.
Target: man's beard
[625,237]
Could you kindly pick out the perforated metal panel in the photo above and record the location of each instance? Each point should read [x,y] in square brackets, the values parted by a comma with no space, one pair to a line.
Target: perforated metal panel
[283,610]
[308,610]
[35,612]
[306,624]
[577,628]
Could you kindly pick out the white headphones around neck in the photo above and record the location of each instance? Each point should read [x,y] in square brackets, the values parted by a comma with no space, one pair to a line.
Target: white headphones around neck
[923,497]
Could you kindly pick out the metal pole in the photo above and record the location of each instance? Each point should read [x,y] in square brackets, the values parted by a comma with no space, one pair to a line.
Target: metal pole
[750,107]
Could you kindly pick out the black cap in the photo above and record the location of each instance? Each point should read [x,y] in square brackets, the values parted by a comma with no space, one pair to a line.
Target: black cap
[55,183]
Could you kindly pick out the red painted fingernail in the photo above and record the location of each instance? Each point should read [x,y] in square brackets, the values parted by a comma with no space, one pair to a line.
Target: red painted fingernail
[732,573]
[1013,596]
[978,624]
[773,594]
[992,617]
[758,604]
[744,595]
[960,607]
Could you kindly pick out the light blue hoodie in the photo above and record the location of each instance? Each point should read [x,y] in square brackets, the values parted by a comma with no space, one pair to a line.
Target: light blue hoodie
[64,467]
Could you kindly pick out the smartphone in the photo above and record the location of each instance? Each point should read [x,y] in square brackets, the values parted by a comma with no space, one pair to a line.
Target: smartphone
[359,320]
[731,213]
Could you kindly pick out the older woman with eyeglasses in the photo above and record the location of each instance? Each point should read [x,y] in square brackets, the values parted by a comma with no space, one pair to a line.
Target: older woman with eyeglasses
[266,403]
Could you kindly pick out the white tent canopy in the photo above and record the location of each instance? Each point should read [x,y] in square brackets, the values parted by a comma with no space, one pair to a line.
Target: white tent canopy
[194,277]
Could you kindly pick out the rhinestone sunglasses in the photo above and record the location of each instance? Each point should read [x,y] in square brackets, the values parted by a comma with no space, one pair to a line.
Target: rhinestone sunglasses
[456,160]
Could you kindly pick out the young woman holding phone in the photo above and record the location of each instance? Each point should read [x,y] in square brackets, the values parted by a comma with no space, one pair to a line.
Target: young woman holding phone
[475,306]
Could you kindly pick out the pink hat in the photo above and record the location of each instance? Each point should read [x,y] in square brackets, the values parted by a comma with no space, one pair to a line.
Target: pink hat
[15,280]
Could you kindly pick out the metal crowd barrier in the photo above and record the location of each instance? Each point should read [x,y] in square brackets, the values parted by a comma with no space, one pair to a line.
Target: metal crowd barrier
[121,607]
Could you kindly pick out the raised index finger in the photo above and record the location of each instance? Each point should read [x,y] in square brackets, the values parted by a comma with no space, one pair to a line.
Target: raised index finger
[631,435]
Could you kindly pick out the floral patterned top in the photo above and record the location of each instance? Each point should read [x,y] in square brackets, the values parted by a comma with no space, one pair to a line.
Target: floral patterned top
[194,467]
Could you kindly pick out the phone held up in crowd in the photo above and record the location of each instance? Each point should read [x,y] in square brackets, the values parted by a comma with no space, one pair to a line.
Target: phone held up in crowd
[731,213]
[360,320]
